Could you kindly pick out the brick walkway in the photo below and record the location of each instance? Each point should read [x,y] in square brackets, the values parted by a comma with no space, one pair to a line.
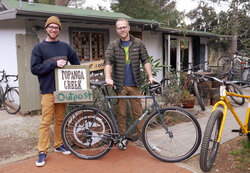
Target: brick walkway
[133,160]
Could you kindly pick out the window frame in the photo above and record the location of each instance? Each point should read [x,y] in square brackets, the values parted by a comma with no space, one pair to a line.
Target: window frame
[90,31]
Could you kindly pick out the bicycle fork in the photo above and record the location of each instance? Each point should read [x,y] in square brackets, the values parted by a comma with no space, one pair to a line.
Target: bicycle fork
[226,104]
[160,113]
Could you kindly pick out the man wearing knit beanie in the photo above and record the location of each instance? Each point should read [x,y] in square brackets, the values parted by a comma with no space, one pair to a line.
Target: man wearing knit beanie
[53,27]
[47,55]
[53,19]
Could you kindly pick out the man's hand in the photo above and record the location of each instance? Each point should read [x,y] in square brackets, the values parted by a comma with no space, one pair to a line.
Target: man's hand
[147,67]
[109,82]
[152,79]
[61,63]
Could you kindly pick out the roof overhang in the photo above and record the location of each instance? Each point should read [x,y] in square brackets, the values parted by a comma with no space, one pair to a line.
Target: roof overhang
[78,19]
[187,33]
[31,15]
[8,14]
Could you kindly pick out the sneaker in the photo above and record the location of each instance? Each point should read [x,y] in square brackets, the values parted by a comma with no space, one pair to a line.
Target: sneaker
[41,159]
[62,149]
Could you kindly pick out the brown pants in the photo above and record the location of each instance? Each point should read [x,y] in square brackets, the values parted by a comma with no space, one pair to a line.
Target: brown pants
[136,107]
[50,109]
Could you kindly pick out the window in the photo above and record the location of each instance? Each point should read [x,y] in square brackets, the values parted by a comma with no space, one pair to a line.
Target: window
[89,44]
[136,34]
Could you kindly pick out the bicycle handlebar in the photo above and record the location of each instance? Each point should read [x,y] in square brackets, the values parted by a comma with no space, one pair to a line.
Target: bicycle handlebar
[164,79]
[12,75]
[219,80]
[155,87]
[194,67]
[3,74]
[98,83]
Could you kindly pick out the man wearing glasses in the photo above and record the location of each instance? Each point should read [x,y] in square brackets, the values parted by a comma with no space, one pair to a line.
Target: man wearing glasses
[45,57]
[122,68]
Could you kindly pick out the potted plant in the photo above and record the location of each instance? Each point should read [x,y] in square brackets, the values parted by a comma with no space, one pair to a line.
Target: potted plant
[187,99]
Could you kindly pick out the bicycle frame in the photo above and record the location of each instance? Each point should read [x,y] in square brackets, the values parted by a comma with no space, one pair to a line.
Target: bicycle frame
[153,105]
[226,104]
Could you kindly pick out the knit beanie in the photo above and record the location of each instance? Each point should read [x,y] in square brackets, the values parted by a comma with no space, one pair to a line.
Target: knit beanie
[53,19]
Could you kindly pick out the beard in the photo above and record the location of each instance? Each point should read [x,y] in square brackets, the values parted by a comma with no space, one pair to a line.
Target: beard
[52,36]
[124,36]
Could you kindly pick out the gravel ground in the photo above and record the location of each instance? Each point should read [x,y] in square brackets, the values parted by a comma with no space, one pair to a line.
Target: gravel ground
[18,136]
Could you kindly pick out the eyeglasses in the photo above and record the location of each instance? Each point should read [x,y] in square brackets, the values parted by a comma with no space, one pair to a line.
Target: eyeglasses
[52,27]
[122,28]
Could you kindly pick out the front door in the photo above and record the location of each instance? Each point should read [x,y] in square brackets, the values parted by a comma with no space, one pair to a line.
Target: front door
[28,83]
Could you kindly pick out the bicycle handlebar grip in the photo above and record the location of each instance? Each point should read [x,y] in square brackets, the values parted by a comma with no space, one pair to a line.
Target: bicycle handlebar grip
[155,87]
[97,83]
[16,78]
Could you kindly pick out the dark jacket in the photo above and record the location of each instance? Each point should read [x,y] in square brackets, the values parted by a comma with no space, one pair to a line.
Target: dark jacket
[43,62]
[115,56]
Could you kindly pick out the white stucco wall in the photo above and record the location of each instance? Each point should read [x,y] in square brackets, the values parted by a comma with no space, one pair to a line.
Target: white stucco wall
[153,43]
[8,53]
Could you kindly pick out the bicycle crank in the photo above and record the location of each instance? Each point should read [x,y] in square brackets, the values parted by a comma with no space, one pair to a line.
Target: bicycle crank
[121,145]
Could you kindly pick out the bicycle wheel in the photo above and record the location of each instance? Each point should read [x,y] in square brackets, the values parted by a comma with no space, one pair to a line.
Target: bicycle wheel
[1,95]
[11,101]
[86,132]
[209,146]
[248,135]
[225,63]
[199,95]
[235,89]
[238,70]
[178,143]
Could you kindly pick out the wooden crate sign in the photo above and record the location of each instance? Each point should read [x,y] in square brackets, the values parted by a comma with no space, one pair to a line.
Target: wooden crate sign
[72,84]
[95,65]
[73,96]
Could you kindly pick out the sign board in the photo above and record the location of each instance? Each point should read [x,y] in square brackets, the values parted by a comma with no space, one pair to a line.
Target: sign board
[96,69]
[72,84]
[73,96]
[95,65]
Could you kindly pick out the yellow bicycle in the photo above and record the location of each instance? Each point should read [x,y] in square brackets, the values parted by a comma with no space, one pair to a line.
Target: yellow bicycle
[215,125]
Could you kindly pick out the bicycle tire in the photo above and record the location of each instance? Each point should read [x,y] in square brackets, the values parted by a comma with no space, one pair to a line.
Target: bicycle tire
[238,71]
[207,154]
[235,89]
[11,101]
[85,133]
[248,134]
[1,95]
[186,135]
[198,94]
[225,63]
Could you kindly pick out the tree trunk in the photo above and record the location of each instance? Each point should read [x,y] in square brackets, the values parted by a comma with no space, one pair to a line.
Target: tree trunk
[62,2]
[234,25]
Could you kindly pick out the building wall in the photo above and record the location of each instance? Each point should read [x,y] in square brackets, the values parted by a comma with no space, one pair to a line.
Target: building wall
[8,56]
[153,43]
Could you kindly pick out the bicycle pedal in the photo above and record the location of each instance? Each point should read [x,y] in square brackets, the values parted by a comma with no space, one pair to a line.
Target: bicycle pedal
[235,130]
